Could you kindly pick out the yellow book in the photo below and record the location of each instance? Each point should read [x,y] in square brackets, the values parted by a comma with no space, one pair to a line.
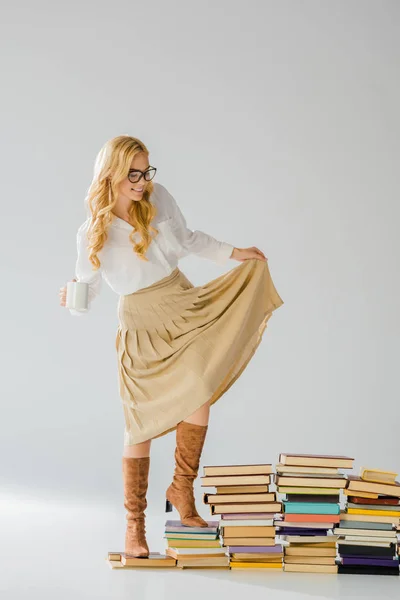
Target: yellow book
[378,513]
[378,476]
[255,565]
[368,518]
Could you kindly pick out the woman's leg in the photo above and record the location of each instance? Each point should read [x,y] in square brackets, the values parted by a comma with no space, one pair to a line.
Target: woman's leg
[200,416]
[190,437]
[138,450]
[135,469]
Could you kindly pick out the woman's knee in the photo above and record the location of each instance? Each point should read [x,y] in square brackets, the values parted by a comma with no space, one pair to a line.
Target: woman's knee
[138,450]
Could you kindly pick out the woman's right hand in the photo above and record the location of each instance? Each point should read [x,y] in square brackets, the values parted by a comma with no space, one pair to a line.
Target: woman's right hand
[63,294]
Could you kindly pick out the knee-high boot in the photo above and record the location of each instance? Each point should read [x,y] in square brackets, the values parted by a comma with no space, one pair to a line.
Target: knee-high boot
[135,476]
[189,444]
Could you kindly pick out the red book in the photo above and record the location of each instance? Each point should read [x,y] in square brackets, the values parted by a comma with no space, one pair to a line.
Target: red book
[381,500]
[294,518]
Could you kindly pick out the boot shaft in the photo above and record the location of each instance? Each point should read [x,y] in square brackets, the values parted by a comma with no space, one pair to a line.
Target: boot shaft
[135,477]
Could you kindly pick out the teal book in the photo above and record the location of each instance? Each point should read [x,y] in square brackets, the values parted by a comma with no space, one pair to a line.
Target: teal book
[311,508]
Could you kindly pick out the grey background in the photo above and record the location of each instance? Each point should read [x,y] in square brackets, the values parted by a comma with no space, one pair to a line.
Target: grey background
[274,124]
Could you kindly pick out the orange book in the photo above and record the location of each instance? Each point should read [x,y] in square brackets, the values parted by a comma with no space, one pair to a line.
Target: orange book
[361,494]
[294,518]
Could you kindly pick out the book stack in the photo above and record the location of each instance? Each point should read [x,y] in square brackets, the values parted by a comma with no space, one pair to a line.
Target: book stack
[367,535]
[195,547]
[310,485]
[246,507]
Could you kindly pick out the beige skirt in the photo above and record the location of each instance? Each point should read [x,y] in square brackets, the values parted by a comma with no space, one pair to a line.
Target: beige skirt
[180,346]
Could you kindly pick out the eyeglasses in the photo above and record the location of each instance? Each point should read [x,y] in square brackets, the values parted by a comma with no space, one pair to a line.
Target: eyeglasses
[136,175]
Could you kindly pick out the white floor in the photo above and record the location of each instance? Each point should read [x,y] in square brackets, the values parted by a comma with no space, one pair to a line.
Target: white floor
[58,551]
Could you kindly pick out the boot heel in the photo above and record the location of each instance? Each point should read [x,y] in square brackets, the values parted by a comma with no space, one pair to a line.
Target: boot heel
[168,506]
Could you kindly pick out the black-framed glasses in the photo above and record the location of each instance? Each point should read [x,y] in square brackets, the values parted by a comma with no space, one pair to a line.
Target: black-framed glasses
[136,175]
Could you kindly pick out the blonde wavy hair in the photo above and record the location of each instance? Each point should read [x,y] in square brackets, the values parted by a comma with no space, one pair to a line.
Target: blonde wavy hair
[112,165]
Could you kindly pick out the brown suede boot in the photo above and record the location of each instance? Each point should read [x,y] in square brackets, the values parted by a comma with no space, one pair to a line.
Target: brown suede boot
[189,444]
[135,475]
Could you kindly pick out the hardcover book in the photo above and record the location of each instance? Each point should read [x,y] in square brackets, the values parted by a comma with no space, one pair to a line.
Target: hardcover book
[257,469]
[317,460]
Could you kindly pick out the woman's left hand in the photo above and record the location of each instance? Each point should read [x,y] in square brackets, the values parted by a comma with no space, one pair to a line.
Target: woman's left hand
[242,254]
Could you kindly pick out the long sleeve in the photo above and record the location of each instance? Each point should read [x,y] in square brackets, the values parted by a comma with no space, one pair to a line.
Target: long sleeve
[198,242]
[84,269]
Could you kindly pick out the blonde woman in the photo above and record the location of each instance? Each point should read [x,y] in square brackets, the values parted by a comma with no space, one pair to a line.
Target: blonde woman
[179,346]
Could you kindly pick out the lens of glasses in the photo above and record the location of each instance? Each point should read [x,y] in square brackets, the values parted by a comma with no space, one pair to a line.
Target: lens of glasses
[148,175]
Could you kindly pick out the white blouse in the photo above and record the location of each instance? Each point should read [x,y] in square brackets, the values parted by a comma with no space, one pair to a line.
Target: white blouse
[124,271]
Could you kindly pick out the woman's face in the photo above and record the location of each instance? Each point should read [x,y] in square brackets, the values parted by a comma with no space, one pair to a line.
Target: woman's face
[134,191]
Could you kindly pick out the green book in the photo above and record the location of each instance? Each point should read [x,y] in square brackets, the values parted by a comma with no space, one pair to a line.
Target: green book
[366,525]
[313,508]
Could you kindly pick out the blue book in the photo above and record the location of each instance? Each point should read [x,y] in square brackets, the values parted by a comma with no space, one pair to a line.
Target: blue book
[311,508]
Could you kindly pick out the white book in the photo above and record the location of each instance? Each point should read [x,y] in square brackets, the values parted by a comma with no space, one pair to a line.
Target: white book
[221,550]
[366,538]
[381,533]
[359,543]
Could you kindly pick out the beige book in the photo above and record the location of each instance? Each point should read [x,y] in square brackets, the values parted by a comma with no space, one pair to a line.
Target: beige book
[310,568]
[357,484]
[248,531]
[257,469]
[302,551]
[316,460]
[318,539]
[209,563]
[299,469]
[248,541]
[313,544]
[268,507]
[329,482]
[378,476]
[155,559]
[310,560]
[290,489]
[242,489]
[222,480]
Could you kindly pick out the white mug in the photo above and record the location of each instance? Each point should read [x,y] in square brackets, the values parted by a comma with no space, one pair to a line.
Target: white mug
[77,295]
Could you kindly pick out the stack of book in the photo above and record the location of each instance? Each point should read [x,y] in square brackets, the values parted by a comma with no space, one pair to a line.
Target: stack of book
[246,507]
[195,547]
[310,485]
[367,535]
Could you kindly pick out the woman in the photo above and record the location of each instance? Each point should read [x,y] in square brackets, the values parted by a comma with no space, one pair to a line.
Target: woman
[179,346]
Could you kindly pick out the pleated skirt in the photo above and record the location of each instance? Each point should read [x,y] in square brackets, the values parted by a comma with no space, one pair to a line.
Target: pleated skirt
[180,346]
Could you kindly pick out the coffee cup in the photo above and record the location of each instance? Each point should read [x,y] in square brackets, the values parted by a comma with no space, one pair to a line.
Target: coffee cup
[77,295]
